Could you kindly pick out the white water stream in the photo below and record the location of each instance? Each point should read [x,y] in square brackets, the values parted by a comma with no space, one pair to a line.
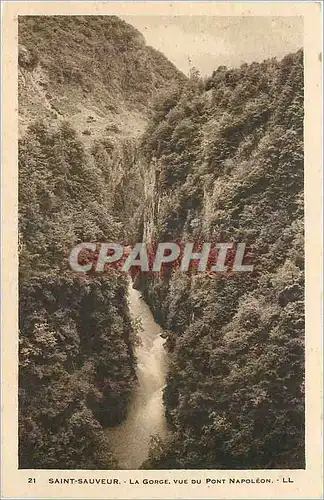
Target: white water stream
[130,441]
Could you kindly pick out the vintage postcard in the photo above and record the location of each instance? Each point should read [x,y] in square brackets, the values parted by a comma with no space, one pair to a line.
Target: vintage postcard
[162,250]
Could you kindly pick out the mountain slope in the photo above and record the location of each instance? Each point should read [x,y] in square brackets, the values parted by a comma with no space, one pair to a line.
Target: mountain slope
[95,71]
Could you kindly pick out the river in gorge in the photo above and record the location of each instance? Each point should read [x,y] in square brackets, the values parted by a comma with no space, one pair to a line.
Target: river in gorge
[130,441]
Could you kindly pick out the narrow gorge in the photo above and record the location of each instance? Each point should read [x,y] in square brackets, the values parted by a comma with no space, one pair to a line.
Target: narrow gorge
[145,419]
[179,370]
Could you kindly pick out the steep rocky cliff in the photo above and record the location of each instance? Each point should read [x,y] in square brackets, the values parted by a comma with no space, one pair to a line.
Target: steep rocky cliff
[225,159]
[86,86]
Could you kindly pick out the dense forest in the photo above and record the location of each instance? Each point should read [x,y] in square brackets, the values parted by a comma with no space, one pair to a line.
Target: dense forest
[117,145]
[76,361]
[227,157]
[77,367]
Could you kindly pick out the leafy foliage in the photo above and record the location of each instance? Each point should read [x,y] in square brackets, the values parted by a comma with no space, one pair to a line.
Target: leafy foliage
[76,184]
[228,163]
[76,361]
[97,62]
[221,160]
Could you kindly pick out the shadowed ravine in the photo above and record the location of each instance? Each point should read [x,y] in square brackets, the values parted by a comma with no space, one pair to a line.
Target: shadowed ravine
[130,441]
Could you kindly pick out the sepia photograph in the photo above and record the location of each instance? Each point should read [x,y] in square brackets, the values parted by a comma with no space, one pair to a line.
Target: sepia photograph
[161,305]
